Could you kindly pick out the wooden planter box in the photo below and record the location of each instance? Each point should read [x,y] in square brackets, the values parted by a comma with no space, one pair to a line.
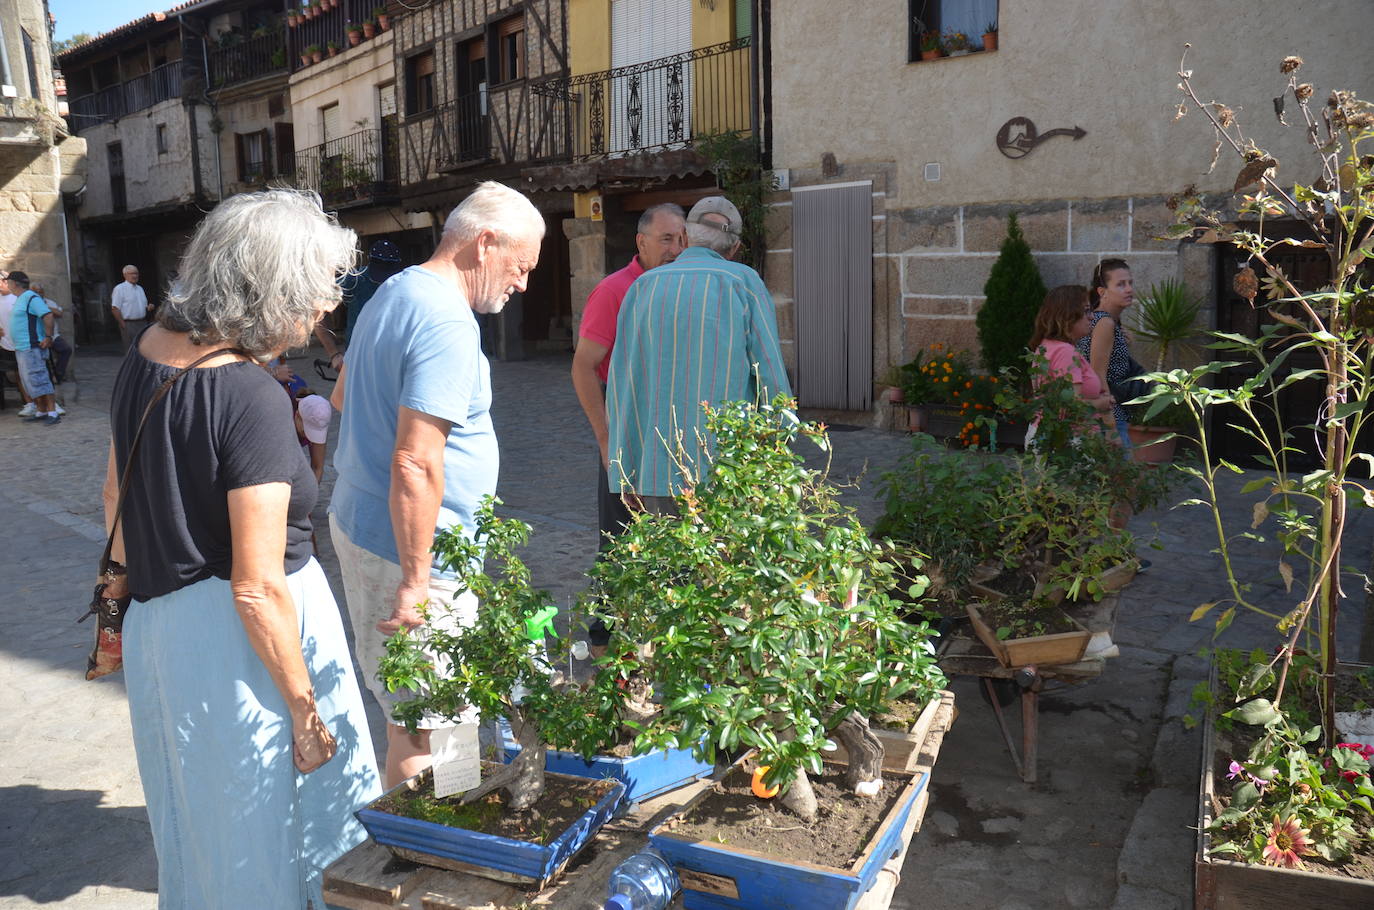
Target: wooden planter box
[487,855]
[901,751]
[1060,648]
[1223,884]
[719,876]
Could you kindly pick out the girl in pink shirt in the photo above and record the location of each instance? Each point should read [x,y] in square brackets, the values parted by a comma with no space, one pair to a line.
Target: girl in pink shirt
[1062,320]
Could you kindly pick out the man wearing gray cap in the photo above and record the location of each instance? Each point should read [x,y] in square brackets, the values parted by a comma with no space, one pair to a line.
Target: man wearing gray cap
[699,330]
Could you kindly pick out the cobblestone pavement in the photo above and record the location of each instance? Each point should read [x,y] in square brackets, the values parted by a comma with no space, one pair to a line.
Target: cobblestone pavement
[1105,826]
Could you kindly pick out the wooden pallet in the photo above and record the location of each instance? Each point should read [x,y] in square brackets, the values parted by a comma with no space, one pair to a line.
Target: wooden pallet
[369,878]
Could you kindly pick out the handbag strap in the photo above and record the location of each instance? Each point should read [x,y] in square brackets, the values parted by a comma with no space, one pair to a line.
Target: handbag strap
[138,436]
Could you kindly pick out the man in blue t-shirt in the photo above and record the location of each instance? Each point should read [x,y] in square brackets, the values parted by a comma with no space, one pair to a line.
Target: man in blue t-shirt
[32,327]
[417,451]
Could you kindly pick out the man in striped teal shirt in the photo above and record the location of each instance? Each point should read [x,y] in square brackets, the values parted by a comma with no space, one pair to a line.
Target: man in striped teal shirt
[700,330]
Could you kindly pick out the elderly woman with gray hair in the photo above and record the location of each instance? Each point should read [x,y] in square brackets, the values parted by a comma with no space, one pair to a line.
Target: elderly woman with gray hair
[248,723]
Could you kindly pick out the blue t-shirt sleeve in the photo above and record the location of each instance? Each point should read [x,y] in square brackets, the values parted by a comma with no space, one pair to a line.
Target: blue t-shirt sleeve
[442,371]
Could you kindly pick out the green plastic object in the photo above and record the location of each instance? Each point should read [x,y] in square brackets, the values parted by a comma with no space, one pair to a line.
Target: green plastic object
[540,623]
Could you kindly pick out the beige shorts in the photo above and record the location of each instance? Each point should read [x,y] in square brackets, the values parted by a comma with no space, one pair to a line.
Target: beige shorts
[370,584]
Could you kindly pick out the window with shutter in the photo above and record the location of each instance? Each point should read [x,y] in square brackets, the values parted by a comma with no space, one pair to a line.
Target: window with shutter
[964,21]
[420,83]
[509,36]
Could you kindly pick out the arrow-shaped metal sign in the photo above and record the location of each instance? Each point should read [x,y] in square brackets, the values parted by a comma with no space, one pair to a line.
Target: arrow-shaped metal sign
[1018,136]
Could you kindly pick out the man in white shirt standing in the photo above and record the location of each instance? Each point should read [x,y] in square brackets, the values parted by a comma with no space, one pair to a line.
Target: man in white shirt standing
[130,306]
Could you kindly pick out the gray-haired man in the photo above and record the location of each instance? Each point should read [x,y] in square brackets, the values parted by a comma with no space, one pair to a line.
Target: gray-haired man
[416,450]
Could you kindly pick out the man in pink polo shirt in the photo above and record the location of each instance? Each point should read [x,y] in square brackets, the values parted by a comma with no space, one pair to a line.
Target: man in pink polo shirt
[662,235]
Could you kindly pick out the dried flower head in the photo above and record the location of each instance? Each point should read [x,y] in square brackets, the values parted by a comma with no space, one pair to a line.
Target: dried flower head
[1290,64]
[1303,91]
[1246,284]
[1225,116]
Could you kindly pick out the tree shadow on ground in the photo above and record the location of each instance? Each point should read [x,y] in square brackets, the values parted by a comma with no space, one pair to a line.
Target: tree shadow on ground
[55,843]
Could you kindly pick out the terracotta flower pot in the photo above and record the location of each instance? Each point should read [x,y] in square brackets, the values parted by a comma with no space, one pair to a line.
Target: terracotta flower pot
[369,30]
[305,59]
[316,57]
[931,55]
[989,41]
[293,20]
[384,21]
[355,37]
[333,52]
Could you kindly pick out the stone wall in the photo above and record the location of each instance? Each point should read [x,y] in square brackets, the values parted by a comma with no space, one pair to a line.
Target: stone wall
[586,262]
[32,220]
[151,178]
[930,264]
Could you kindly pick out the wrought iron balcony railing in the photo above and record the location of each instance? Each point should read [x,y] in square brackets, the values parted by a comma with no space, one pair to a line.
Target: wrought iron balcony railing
[659,104]
[120,100]
[359,167]
[249,59]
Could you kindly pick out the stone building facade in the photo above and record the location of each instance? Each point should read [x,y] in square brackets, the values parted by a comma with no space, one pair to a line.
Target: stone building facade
[39,159]
[850,105]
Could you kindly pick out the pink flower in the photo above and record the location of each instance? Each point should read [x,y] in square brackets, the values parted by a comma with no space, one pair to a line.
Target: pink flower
[1360,749]
[1236,770]
[1287,843]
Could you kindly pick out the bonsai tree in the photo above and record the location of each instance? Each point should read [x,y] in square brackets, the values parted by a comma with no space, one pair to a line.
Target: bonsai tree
[1014,292]
[761,612]
[499,663]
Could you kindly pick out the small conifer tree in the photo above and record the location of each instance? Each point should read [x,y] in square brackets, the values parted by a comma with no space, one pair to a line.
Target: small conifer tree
[1014,292]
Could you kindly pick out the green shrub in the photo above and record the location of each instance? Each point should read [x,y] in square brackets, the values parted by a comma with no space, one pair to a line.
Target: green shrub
[1014,292]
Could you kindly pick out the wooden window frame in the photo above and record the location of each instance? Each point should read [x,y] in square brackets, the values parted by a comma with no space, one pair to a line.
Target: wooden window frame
[264,170]
[500,32]
[420,87]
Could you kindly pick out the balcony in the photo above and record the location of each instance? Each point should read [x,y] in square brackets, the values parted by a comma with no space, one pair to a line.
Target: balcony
[251,58]
[353,170]
[117,101]
[657,105]
[509,124]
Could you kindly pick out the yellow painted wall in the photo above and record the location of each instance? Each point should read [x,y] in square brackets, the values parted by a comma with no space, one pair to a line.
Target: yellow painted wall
[589,36]
[589,31]
[712,26]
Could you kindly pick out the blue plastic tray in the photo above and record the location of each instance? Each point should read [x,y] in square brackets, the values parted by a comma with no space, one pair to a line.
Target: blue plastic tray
[737,879]
[489,855]
[645,776]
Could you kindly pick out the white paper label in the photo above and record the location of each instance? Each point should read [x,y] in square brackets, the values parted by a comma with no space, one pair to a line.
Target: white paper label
[454,753]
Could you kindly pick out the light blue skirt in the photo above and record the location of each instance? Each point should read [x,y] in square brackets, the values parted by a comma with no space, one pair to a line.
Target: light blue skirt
[235,825]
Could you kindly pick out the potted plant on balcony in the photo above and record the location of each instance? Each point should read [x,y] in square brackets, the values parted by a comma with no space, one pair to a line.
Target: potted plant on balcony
[761,612]
[305,57]
[499,665]
[293,18]
[355,34]
[990,36]
[333,48]
[369,29]
[931,48]
[383,20]
[316,53]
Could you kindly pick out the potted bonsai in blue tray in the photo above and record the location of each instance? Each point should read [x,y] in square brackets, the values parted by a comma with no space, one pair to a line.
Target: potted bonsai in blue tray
[495,666]
[761,613]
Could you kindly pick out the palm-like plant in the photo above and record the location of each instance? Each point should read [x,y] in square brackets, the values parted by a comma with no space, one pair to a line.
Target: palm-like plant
[1168,316]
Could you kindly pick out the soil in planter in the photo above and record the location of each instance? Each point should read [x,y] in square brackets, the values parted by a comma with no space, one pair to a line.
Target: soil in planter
[901,715]
[731,815]
[1024,622]
[564,800]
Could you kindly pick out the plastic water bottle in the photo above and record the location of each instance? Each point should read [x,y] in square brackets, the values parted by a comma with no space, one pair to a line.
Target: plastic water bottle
[643,881]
